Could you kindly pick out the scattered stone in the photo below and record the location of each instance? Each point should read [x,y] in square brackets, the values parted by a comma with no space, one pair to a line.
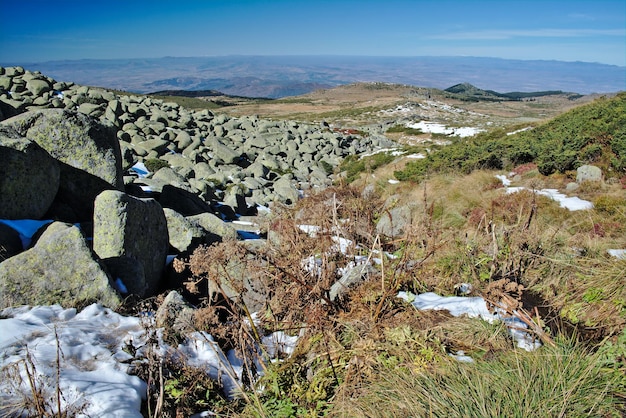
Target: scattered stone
[588,173]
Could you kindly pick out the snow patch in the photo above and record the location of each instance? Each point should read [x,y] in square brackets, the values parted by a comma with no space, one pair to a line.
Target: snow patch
[438,128]
[474,307]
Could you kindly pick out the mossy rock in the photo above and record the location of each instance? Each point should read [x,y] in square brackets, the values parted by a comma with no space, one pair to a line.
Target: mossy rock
[59,269]
[29,177]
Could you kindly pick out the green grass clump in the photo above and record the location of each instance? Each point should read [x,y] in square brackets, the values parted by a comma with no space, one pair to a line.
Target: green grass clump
[561,381]
[354,165]
[155,164]
[404,130]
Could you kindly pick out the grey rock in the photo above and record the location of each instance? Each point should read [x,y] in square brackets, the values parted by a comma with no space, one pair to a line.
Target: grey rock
[29,177]
[214,225]
[186,234]
[168,176]
[158,145]
[285,191]
[175,316]
[394,222]
[132,227]
[183,140]
[89,153]
[350,278]
[59,269]
[38,86]
[203,170]
[588,173]
[221,151]
[90,109]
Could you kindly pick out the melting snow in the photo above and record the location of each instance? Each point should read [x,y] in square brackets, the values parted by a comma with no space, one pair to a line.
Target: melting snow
[140,169]
[621,254]
[571,203]
[438,128]
[474,307]
[94,360]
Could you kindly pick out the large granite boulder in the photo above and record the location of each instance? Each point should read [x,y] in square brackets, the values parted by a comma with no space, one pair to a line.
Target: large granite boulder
[88,151]
[29,177]
[58,269]
[132,227]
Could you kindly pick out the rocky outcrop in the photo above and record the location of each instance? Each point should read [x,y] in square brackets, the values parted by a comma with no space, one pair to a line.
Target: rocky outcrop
[58,269]
[29,177]
[71,153]
[212,153]
[132,227]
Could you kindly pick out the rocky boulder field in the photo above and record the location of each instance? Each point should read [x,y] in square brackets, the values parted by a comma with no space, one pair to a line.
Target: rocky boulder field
[104,185]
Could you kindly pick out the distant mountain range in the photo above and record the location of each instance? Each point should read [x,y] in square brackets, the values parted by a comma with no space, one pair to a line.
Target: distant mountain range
[281,76]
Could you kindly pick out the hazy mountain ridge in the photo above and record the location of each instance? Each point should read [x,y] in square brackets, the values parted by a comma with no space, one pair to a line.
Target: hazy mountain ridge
[281,76]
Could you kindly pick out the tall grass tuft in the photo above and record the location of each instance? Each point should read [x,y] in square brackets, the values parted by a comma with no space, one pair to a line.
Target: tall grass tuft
[561,381]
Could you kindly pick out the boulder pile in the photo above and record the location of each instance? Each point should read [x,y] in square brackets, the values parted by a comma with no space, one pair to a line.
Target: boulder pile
[126,179]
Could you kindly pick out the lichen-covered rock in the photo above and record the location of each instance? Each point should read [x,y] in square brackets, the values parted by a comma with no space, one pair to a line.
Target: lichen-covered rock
[59,269]
[214,225]
[29,177]
[128,226]
[588,173]
[74,139]
[185,234]
[88,151]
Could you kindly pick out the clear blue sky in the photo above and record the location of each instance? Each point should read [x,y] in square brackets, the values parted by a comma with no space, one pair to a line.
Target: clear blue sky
[572,30]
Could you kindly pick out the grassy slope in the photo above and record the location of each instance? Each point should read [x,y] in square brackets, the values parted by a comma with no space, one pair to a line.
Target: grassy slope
[593,133]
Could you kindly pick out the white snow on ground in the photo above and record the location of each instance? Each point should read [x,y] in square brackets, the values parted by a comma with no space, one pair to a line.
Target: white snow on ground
[620,254]
[505,181]
[438,128]
[92,375]
[94,365]
[520,130]
[571,203]
[140,169]
[474,307]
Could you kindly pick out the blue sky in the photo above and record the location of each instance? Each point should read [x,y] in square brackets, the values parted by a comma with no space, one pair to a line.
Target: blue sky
[36,30]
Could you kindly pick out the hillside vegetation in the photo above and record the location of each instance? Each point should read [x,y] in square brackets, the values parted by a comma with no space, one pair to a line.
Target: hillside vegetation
[593,133]
[370,354]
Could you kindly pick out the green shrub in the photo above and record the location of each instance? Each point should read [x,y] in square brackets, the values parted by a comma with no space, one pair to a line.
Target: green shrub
[155,164]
